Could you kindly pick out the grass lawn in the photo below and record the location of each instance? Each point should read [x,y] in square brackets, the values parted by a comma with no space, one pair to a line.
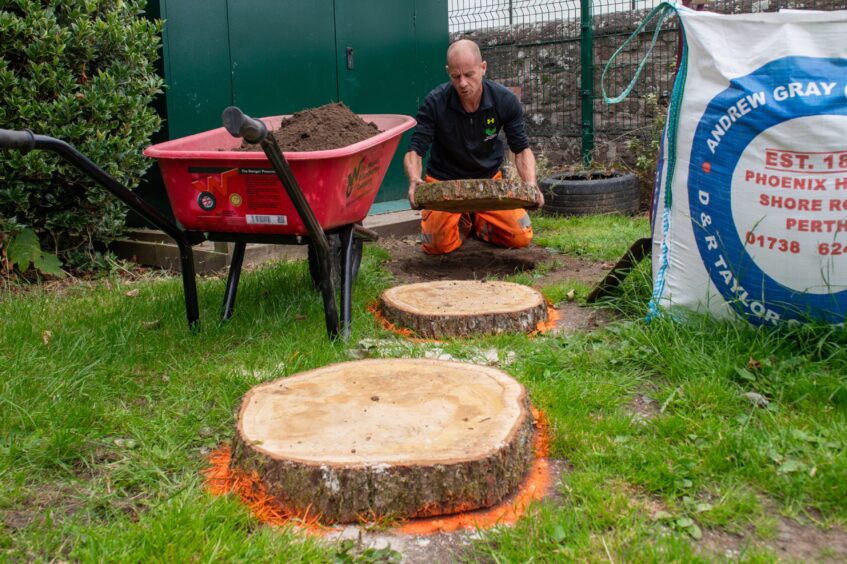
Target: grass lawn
[109,407]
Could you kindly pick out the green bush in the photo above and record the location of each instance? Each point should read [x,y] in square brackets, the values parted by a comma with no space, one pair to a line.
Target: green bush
[646,145]
[81,71]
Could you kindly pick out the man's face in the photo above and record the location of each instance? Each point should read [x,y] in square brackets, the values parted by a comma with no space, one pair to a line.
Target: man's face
[466,73]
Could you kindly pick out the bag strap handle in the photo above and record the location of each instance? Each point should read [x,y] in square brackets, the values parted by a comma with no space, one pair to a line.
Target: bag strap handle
[660,13]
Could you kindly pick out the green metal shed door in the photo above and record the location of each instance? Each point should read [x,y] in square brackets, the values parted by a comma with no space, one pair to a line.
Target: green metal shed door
[196,60]
[375,47]
[283,55]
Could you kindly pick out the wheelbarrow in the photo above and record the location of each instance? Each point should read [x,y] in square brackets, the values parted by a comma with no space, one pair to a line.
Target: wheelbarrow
[220,194]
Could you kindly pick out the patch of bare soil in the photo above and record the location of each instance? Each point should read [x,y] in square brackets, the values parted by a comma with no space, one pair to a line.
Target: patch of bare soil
[574,317]
[476,260]
[59,500]
[643,408]
[794,542]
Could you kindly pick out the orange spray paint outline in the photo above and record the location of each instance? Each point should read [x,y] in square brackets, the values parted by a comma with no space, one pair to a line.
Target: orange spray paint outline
[221,479]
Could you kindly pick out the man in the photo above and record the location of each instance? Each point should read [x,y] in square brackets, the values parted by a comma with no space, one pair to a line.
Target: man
[461,119]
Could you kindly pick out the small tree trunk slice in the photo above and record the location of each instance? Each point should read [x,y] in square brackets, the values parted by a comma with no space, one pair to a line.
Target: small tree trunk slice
[391,437]
[475,195]
[446,308]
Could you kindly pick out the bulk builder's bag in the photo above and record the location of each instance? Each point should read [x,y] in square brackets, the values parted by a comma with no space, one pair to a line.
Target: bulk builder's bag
[750,203]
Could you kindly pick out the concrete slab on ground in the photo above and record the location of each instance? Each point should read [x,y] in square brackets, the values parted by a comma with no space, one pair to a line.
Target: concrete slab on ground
[395,224]
[151,247]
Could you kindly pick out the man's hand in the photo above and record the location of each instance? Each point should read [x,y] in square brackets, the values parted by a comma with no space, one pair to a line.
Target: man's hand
[413,183]
[413,165]
[525,163]
[539,197]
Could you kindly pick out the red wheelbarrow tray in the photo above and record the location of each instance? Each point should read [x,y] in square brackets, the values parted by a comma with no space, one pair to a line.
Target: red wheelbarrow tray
[214,188]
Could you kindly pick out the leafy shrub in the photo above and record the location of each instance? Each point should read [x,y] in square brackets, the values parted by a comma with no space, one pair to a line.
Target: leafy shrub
[646,145]
[21,249]
[81,71]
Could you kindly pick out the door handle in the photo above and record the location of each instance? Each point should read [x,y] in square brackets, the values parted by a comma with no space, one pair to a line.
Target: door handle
[349,51]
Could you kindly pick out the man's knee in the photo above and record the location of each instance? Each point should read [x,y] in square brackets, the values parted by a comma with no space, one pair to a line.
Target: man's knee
[522,239]
[434,245]
[441,232]
[516,239]
[507,228]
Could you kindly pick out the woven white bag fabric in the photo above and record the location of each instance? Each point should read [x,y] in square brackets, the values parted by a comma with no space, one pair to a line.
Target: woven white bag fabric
[750,204]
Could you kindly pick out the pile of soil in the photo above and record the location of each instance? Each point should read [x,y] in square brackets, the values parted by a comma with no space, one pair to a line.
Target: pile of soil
[330,126]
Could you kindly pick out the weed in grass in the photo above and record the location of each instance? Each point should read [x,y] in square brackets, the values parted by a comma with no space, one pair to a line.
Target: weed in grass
[377,523]
[566,291]
[349,552]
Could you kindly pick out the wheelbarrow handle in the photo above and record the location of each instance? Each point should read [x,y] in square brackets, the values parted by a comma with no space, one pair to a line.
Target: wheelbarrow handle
[240,124]
[23,140]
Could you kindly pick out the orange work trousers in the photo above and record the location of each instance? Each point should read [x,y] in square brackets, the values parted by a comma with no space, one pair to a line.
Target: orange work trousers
[444,232]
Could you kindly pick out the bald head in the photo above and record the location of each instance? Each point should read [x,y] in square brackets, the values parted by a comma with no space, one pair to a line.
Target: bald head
[464,48]
[466,70]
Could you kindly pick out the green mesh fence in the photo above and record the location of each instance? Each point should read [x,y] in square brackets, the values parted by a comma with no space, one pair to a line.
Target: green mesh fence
[534,46]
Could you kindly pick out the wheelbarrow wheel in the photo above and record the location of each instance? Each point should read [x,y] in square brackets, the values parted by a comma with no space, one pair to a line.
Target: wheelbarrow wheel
[336,260]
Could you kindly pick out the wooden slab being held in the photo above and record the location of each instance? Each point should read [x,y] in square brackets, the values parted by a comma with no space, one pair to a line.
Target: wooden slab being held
[475,195]
[446,308]
[387,437]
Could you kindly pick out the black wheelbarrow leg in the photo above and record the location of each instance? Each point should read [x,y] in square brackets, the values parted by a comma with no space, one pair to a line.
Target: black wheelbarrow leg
[232,279]
[327,289]
[189,284]
[26,140]
[347,251]
[254,131]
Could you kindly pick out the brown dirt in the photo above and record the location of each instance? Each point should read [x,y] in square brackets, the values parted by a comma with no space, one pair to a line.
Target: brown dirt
[476,260]
[795,541]
[330,126]
[643,408]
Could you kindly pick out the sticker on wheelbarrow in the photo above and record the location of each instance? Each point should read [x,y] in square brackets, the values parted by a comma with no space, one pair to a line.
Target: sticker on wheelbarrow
[257,189]
[361,179]
[767,190]
[253,219]
[206,201]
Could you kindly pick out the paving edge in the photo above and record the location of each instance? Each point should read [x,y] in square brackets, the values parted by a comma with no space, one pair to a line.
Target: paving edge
[151,247]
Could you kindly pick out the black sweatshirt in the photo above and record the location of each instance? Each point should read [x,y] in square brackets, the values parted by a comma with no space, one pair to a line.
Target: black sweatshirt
[466,145]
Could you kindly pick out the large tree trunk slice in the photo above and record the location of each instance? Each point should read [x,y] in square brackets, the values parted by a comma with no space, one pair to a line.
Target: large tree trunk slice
[475,195]
[391,437]
[446,308]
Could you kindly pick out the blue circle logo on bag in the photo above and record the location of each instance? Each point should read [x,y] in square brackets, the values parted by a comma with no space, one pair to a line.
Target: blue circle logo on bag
[767,190]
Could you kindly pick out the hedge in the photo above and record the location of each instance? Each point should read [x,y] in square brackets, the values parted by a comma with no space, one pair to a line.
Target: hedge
[81,71]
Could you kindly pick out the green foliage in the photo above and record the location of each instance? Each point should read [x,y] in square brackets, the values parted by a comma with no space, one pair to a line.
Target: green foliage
[23,250]
[645,146]
[80,71]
